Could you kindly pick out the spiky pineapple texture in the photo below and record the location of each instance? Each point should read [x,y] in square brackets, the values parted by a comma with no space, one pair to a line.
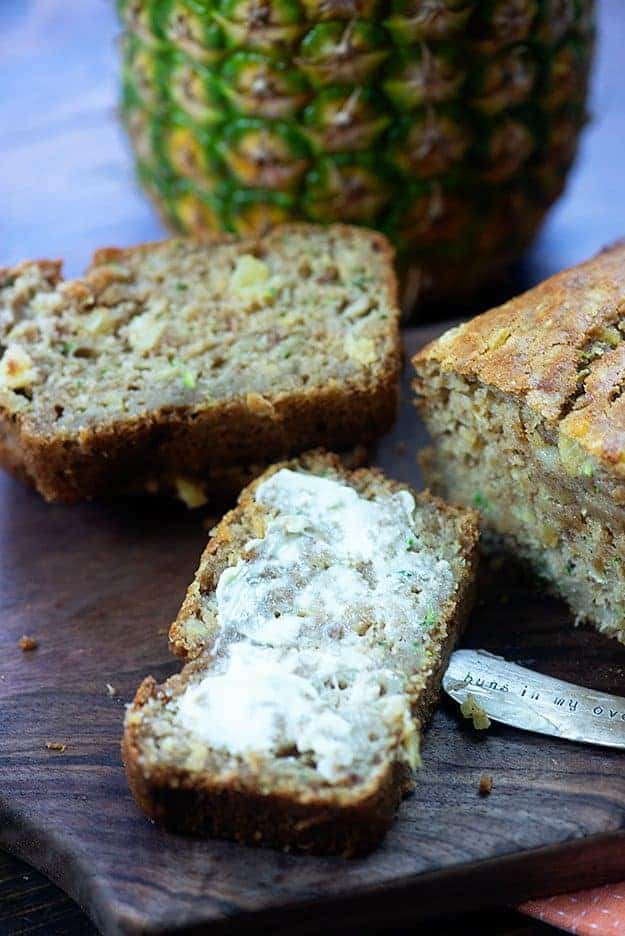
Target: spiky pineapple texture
[448,124]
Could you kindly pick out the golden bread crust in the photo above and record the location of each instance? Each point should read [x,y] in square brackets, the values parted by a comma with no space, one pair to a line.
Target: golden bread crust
[560,348]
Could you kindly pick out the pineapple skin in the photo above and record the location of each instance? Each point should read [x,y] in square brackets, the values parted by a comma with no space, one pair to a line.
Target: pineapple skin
[449,125]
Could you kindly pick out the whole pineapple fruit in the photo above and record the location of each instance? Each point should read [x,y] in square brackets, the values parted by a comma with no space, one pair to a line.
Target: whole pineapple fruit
[448,124]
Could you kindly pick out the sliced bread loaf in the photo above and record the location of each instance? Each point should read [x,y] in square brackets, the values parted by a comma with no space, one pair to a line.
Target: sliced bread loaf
[526,407]
[175,363]
[318,626]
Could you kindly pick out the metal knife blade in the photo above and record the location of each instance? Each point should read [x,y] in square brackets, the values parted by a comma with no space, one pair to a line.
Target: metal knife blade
[520,697]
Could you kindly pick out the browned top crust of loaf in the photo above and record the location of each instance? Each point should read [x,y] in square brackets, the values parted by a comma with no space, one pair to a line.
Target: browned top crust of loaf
[50,272]
[560,348]
[166,356]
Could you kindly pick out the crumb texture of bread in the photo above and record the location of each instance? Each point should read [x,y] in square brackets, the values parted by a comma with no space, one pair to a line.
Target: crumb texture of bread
[183,360]
[526,410]
[317,628]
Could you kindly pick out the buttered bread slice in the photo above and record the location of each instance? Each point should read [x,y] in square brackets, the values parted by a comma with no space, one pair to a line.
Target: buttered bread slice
[317,628]
[183,365]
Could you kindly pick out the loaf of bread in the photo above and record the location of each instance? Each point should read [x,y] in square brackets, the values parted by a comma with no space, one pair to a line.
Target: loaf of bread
[317,629]
[526,408]
[183,364]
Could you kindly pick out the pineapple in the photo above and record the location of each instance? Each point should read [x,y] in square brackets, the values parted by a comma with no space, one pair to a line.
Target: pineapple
[447,124]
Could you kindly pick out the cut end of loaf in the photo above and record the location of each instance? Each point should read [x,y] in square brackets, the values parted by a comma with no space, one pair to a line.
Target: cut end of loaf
[526,408]
[321,617]
[541,496]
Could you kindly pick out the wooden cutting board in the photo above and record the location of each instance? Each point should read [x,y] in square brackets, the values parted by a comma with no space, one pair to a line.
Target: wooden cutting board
[97,586]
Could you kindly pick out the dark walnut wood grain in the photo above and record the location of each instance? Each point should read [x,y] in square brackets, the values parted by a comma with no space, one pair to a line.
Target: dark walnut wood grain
[96,585]
[30,904]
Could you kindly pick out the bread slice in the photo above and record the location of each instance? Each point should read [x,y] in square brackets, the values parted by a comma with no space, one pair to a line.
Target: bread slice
[525,405]
[183,364]
[318,626]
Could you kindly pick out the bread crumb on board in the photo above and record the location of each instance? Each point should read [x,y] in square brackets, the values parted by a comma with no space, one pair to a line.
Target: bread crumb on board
[111,689]
[471,708]
[27,643]
[55,746]
[486,785]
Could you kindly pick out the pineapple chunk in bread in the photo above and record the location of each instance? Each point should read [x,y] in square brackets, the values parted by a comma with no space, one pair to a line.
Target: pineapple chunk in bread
[317,628]
[179,363]
[526,408]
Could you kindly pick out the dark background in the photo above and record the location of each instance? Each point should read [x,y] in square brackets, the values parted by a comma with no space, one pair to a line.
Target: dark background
[67,187]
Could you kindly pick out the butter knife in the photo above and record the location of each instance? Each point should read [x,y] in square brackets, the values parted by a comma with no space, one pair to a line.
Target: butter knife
[523,698]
